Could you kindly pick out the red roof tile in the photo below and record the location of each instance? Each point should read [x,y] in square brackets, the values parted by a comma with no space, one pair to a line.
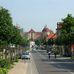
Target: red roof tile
[52,36]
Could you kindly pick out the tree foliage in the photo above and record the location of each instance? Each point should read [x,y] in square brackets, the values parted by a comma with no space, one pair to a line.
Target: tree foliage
[8,32]
[67,31]
[5,25]
[38,41]
[50,42]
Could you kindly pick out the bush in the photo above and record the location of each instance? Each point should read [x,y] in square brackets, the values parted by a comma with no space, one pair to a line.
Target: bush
[3,71]
[5,63]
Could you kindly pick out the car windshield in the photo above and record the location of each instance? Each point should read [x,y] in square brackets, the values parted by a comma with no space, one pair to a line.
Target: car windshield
[26,53]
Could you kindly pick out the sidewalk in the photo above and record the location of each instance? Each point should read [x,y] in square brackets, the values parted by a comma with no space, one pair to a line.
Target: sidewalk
[19,68]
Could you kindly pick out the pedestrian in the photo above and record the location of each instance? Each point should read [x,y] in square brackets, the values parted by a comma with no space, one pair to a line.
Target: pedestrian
[55,55]
[49,54]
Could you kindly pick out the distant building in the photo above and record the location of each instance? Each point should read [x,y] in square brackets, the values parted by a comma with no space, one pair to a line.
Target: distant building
[45,32]
[33,35]
[52,36]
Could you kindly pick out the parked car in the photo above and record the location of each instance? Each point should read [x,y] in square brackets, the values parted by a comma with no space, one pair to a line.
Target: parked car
[25,55]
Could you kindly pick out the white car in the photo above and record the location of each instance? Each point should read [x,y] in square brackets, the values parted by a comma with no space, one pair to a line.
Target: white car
[25,55]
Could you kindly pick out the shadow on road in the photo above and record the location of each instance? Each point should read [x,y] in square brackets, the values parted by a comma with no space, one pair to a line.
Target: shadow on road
[65,64]
[60,64]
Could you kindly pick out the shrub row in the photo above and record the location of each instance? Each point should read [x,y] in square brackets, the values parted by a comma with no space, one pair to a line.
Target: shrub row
[5,64]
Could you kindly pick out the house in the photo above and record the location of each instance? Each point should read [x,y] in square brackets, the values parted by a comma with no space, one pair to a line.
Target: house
[33,35]
[52,36]
[45,32]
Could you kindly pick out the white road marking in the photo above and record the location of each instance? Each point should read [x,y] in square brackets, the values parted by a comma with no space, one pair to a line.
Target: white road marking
[59,62]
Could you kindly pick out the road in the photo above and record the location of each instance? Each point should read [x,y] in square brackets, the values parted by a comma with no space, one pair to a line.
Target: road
[41,64]
[31,69]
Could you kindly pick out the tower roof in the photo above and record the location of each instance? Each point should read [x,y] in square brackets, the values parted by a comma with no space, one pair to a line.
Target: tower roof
[31,31]
[46,29]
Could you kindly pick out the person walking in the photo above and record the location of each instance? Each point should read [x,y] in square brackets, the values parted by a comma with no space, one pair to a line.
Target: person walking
[55,55]
[49,54]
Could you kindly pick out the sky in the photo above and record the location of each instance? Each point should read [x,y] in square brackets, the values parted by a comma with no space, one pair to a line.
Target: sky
[36,14]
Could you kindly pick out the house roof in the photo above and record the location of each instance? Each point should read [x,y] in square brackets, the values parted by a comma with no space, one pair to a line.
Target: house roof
[46,29]
[31,31]
[52,36]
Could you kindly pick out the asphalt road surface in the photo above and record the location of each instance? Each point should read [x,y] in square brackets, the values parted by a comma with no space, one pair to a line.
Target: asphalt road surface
[31,69]
[41,64]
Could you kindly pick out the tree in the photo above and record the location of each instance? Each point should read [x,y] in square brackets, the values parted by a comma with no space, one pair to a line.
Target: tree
[9,34]
[66,36]
[5,25]
[50,42]
[6,29]
[24,41]
[68,24]
[38,41]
